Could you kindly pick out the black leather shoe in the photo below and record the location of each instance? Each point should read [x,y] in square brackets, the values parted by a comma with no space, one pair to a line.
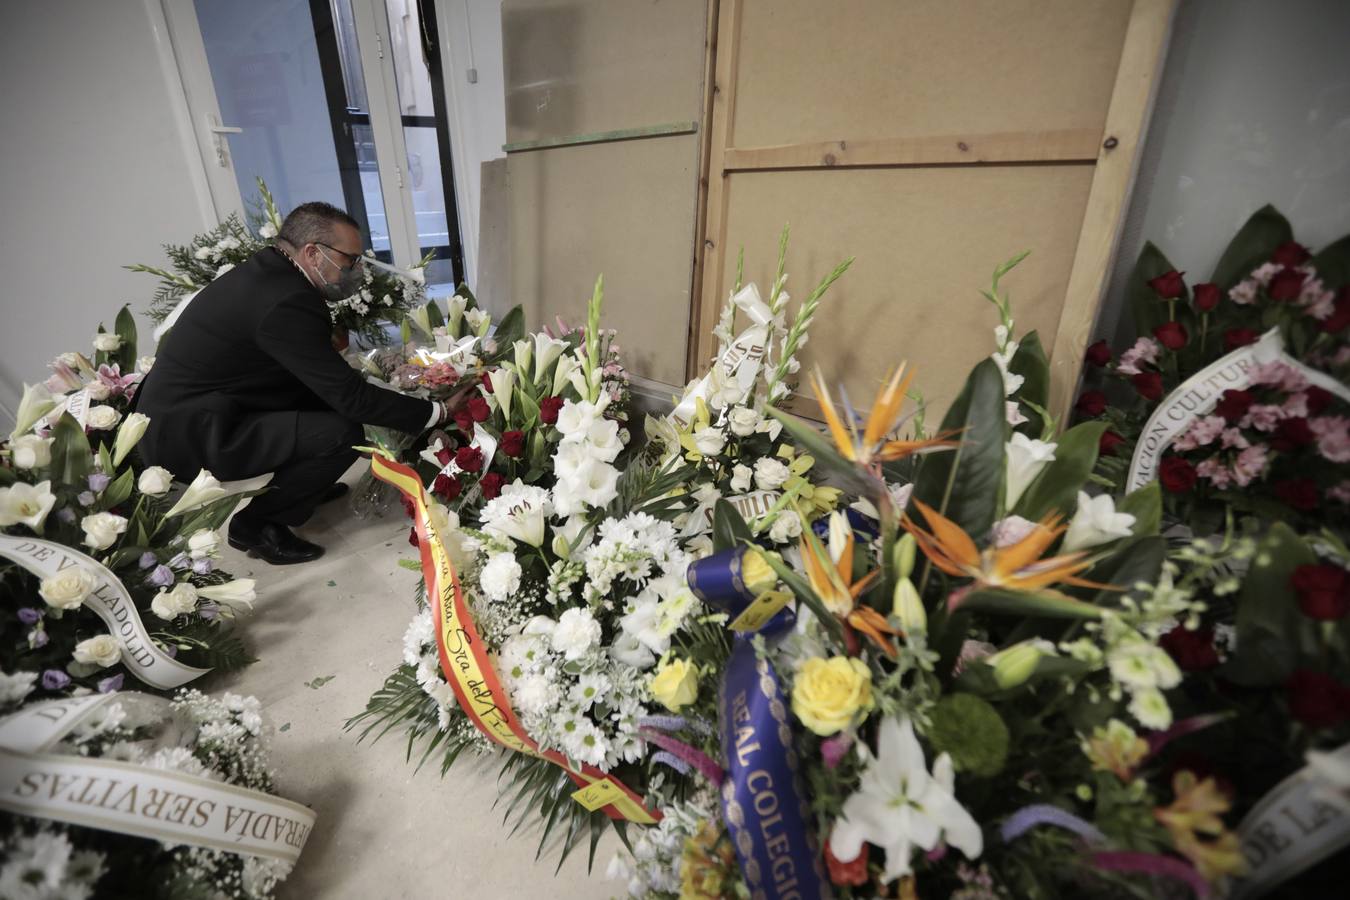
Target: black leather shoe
[335,491]
[273,543]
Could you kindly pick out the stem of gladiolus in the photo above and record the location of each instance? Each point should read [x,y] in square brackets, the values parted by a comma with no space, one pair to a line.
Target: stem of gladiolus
[1152,864]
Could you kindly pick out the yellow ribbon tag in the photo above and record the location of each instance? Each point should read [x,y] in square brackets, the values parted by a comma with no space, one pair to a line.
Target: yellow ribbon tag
[765,607]
[598,795]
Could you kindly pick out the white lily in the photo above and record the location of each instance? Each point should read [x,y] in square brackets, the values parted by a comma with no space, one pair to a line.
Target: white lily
[503,385]
[205,488]
[1026,458]
[899,806]
[524,352]
[454,312]
[518,513]
[239,592]
[563,374]
[1096,522]
[546,352]
[37,402]
[128,435]
[26,504]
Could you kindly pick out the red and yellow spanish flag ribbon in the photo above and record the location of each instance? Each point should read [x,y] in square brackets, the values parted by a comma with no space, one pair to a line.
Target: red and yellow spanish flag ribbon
[464,659]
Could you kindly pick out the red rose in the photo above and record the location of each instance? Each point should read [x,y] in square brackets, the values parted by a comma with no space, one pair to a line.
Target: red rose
[1340,313]
[1318,399]
[1171,335]
[1091,404]
[1108,443]
[548,409]
[1193,650]
[1286,285]
[1099,354]
[1176,474]
[486,381]
[1234,338]
[1233,405]
[1290,434]
[1206,296]
[1290,253]
[853,873]
[1316,699]
[491,485]
[408,506]
[1323,591]
[478,409]
[464,421]
[1300,493]
[1148,384]
[1168,285]
[446,488]
[444,455]
[470,459]
[412,537]
[513,443]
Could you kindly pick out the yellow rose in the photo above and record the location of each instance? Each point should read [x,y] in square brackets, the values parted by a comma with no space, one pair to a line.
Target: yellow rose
[828,692]
[756,573]
[675,684]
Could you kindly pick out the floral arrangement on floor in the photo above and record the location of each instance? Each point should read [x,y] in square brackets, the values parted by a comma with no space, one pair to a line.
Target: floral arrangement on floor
[382,301]
[103,571]
[211,740]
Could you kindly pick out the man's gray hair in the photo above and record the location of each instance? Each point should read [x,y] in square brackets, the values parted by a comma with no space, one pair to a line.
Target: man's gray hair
[312,223]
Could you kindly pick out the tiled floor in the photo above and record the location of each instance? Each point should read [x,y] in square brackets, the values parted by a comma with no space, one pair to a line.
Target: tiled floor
[382,832]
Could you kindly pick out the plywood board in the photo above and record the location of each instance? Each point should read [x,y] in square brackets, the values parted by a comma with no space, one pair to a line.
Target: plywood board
[493,289]
[623,209]
[575,67]
[926,241]
[860,69]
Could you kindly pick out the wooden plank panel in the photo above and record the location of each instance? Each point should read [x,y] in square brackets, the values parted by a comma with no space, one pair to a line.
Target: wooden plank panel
[624,209]
[863,69]
[577,67]
[926,241]
[1069,145]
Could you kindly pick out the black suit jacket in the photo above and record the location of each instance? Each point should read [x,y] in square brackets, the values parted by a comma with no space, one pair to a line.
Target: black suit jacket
[250,353]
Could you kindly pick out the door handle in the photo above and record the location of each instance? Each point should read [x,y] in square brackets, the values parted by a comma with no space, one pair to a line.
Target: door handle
[218,132]
[226,129]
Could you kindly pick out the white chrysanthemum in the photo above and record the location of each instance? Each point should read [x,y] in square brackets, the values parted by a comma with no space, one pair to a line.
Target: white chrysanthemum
[522,654]
[577,632]
[534,694]
[500,577]
[581,739]
[180,759]
[420,635]
[1150,707]
[591,688]
[14,688]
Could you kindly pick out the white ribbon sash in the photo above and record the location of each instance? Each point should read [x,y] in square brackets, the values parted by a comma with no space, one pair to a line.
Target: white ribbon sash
[740,361]
[1199,394]
[113,604]
[126,798]
[1293,827]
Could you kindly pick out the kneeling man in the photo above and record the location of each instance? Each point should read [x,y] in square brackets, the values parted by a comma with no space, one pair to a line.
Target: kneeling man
[248,382]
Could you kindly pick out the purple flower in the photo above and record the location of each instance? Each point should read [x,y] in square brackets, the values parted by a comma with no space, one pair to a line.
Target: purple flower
[170,650]
[111,683]
[181,561]
[148,560]
[67,515]
[86,498]
[98,482]
[162,576]
[37,638]
[55,679]
[832,749]
[29,616]
[208,611]
[202,566]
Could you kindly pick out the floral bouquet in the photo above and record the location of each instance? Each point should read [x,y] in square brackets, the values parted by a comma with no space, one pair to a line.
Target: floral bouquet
[125,794]
[383,299]
[1276,447]
[103,571]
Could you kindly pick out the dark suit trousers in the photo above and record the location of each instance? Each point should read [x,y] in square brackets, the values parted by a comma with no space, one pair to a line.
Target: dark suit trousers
[324,449]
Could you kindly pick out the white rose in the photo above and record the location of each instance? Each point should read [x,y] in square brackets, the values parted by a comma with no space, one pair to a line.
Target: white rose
[171,604]
[785,527]
[107,342]
[144,364]
[97,390]
[740,478]
[101,651]
[743,421]
[102,529]
[155,481]
[770,473]
[102,418]
[709,441]
[68,589]
[203,543]
[30,451]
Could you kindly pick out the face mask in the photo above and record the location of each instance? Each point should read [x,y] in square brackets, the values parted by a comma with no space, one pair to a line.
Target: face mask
[348,283]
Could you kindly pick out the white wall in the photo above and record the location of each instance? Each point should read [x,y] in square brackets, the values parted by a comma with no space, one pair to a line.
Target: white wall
[94,174]
[1253,108]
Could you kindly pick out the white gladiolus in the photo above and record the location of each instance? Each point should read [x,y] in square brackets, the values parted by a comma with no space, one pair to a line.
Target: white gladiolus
[102,529]
[170,604]
[155,481]
[37,401]
[1096,522]
[130,434]
[101,651]
[144,364]
[1025,458]
[31,452]
[26,504]
[67,589]
[102,418]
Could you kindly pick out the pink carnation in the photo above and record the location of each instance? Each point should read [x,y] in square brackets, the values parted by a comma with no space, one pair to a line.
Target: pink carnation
[1333,437]
[1232,439]
[1145,350]
[1215,471]
[1316,300]
[1201,433]
[1264,272]
[1251,463]
[1296,406]
[1244,293]
[1341,492]
[1278,374]
[1262,417]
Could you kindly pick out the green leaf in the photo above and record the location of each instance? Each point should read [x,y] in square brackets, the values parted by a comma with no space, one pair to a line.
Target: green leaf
[1018,603]
[1145,505]
[125,326]
[802,589]
[510,328]
[1252,245]
[1134,560]
[1268,618]
[119,490]
[1031,363]
[729,528]
[1333,263]
[1146,308]
[434,314]
[810,439]
[529,410]
[71,455]
[965,484]
[1056,488]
